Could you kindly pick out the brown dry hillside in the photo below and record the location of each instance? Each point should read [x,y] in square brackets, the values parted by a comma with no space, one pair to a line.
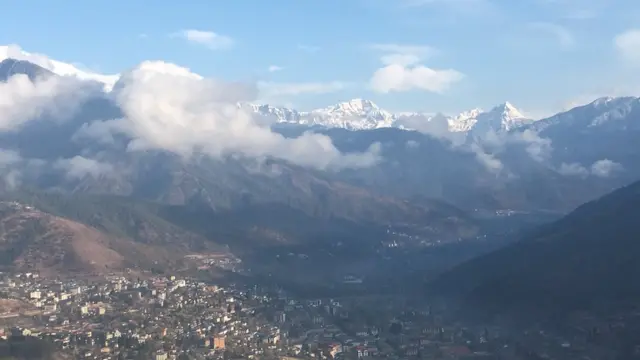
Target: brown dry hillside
[31,240]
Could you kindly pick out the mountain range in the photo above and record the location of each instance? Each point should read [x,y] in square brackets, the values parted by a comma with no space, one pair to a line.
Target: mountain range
[360,114]
[355,114]
[56,67]
[473,160]
[149,170]
[151,206]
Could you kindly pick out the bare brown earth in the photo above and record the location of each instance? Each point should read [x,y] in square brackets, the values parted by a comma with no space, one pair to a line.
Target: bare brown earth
[32,240]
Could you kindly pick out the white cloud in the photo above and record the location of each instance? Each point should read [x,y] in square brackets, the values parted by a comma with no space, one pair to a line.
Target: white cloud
[9,157]
[537,147]
[628,45]
[403,54]
[165,110]
[209,39]
[400,59]
[419,52]
[402,71]
[605,168]
[271,89]
[573,169]
[15,52]
[601,168]
[488,160]
[436,125]
[563,36]
[274,68]
[399,78]
[494,144]
[10,175]
[78,167]
[22,100]
[412,144]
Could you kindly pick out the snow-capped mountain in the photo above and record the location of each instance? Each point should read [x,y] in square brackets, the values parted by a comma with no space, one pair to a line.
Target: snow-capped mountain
[56,67]
[504,117]
[608,113]
[464,121]
[359,114]
[355,114]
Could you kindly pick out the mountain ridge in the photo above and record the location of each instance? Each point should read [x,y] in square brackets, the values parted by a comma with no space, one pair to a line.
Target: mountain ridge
[360,114]
[354,114]
[474,173]
[583,260]
[56,67]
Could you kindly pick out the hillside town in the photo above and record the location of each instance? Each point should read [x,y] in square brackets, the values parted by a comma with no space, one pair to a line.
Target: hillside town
[166,317]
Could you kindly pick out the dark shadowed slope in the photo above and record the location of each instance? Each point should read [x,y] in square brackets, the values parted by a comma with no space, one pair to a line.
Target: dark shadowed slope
[589,257]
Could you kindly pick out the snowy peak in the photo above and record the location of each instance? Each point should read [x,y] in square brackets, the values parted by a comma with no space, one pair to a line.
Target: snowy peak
[508,111]
[355,114]
[464,121]
[360,114]
[355,106]
[280,114]
[504,117]
[11,67]
[56,67]
[611,113]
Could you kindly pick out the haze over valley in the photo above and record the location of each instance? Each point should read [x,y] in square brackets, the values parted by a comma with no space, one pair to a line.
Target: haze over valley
[201,207]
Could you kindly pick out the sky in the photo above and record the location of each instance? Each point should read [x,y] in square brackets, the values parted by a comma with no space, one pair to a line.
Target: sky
[405,55]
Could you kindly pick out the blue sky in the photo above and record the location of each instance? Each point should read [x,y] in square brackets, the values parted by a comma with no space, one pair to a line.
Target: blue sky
[540,55]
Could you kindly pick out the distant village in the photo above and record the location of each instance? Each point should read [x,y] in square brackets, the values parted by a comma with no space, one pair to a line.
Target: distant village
[166,317]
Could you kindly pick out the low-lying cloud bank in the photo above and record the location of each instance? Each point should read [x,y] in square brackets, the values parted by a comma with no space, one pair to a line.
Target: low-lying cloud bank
[601,168]
[486,147]
[165,110]
[23,100]
[164,107]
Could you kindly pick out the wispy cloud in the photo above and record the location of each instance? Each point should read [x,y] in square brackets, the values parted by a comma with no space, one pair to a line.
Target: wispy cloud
[309,48]
[272,89]
[628,45]
[450,3]
[208,39]
[576,9]
[581,14]
[275,68]
[460,7]
[561,34]
[398,78]
[402,70]
[187,115]
[601,168]
[403,48]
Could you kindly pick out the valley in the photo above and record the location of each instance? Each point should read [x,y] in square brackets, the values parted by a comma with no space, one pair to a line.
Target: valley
[444,196]
[503,231]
